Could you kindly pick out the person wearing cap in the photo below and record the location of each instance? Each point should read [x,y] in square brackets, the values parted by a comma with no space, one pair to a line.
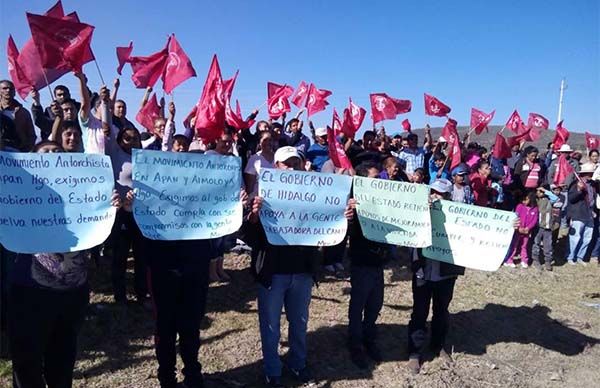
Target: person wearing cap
[564,149]
[318,153]
[461,192]
[438,167]
[285,275]
[581,207]
[296,138]
[432,283]
[529,170]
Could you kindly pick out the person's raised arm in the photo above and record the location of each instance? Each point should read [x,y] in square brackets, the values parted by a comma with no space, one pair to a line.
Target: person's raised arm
[146,96]
[115,91]
[43,122]
[167,140]
[56,122]
[104,110]
[84,112]
[428,138]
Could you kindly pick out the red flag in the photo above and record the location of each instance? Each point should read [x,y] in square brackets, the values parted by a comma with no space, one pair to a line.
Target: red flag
[515,123]
[337,123]
[480,120]
[560,137]
[538,121]
[22,84]
[299,97]
[123,56]
[563,170]
[235,119]
[336,151]
[62,44]
[210,111]
[56,11]
[148,113]
[316,99]
[354,116]
[225,90]
[178,68]
[384,107]
[406,125]
[501,149]
[434,107]
[88,55]
[272,88]
[530,134]
[449,132]
[147,70]
[591,141]
[277,103]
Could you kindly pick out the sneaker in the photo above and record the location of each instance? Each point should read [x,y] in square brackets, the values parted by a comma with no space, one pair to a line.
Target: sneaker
[413,364]
[330,268]
[511,265]
[358,357]
[339,267]
[273,381]
[571,262]
[302,375]
[548,266]
[580,261]
[373,352]
[594,259]
[537,264]
[524,265]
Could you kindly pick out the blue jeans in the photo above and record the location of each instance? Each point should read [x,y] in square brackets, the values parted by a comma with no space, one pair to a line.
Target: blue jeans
[596,239]
[292,291]
[580,235]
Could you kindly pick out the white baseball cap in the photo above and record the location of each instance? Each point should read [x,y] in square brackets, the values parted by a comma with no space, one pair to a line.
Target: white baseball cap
[587,168]
[284,153]
[565,148]
[441,186]
[321,131]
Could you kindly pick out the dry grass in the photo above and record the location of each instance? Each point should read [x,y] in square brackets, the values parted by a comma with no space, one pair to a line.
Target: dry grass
[515,327]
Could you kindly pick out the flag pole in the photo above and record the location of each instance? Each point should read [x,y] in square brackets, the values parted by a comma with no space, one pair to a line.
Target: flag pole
[99,72]
[47,84]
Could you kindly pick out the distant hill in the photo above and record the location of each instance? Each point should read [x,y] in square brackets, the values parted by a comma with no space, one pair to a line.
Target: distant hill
[576,140]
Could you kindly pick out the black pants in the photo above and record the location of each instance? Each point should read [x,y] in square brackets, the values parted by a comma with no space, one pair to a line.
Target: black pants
[179,282]
[334,254]
[43,326]
[366,297]
[125,235]
[440,293]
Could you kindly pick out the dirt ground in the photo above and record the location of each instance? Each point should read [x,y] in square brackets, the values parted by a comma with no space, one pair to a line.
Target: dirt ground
[512,328]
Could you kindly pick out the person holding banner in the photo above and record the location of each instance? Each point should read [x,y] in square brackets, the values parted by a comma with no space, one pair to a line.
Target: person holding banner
[285,274]
[432,283]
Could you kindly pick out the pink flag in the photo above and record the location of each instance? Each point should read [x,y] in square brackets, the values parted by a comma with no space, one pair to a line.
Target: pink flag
[178,68]
[210,112]
[299,97]
[515,123]
[316,99]
[480,120]
[148,113]
[563,170]
[278,103]
[560,137]
[354,116]
[406,125]
[536,120]
[337,123]
[336,151]
[235,119]
[592,142]
[272,88]
[501,149]
[434,107]
[22,84]
[123,54]
[147,70]
[62,44]
[449,132]
[384,107]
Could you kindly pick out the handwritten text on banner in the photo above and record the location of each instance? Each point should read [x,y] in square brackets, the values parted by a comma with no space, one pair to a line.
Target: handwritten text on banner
[393,212]
[186,196]
[303,208]
[55,202]
[470,236]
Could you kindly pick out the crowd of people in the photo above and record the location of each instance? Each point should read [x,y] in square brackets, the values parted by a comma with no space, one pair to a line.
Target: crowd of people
[49,291]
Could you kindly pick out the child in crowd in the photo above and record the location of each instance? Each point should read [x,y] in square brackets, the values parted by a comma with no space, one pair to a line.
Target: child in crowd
[418,176]
[461,192]
[545,201]
[528,214]
[438,167]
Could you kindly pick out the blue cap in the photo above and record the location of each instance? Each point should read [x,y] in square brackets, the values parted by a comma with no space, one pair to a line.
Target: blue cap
[459,170]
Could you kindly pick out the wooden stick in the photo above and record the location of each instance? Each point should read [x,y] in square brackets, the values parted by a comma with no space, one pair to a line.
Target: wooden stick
[99,72]
[47,84]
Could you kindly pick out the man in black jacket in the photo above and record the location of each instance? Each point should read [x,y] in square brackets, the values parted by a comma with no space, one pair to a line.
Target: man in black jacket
[432,282]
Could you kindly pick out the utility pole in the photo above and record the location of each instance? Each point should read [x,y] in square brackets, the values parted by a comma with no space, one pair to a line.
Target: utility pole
[563,86]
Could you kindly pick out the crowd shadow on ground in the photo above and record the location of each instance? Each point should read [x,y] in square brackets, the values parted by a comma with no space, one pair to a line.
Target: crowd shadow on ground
[472,332]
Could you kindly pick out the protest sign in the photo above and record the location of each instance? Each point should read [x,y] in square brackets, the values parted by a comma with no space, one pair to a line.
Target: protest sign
[470,236]
[393,212]
[186,196]
[303,208]
[55,202]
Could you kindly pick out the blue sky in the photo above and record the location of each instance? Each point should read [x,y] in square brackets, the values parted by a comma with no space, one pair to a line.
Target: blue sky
[487,54]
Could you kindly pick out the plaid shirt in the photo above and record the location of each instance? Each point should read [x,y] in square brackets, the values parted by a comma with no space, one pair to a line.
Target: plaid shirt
[414,158]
